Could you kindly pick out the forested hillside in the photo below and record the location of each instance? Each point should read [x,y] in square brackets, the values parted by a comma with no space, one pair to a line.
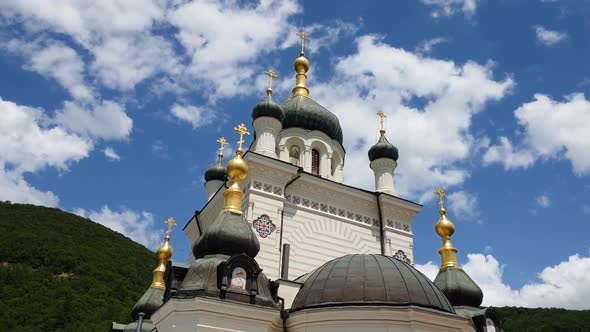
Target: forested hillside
[545,319]
[61,272]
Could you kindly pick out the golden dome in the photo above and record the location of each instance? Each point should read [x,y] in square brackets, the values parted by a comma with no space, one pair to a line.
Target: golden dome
[444,227]
[301,64]
[237,169]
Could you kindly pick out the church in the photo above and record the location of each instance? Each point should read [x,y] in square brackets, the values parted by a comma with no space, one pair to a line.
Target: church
[282,244]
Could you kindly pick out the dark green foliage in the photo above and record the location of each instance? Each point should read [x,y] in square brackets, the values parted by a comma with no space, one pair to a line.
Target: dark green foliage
[61,272]
[544,319]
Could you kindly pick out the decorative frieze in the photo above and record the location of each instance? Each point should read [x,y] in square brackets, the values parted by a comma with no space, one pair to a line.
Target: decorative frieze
[323,207]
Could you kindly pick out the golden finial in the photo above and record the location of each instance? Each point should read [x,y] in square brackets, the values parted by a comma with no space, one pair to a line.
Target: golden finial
[242,130]
[271,74]
[301,66]
[222,143]
[382,120]
[163,253]
[237,170]
[445,229]
[170,222]
[303,37]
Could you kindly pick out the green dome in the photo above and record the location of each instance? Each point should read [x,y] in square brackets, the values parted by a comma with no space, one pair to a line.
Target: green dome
[458,287]
[268,107]
[149,303]
[215,172]
[383,149]
[364,280]
[303,112]
[229,234]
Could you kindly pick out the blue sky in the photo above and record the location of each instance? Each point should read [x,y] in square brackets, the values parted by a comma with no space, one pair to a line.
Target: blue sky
[111,110]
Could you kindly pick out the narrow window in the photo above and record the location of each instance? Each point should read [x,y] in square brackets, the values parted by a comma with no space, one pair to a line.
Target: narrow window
[315,162]
[294,155]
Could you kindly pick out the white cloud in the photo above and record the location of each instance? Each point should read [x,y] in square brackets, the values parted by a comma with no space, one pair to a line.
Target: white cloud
[450,7]
[552,130]
[110,153]
[565,285]
[426,46]
[196,116]
[14,188]
[463,205]
[139,226]
[488,248]
[549,37]
[433,139]
[54,60]
[106,120]
[543,201]
[30,143]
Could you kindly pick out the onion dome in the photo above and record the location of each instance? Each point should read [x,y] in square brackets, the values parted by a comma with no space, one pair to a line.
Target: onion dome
[383,149]
[303,112]
[361,280]
[215,172]
[149,303]
[230,234]
[268,107]
[457,286]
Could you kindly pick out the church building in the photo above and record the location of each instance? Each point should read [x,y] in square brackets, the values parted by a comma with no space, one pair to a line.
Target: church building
[282,244]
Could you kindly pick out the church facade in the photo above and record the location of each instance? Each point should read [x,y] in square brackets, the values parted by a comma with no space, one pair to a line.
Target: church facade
[282,244]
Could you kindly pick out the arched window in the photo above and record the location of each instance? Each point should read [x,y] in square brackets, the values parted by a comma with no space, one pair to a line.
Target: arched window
[315,162]
[294,154]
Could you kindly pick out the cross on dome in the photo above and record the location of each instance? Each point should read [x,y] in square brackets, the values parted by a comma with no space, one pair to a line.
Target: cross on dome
[271,74]
[382,116]
[303,37]
[440,193]
[242,130]
[222,142]
[170,222]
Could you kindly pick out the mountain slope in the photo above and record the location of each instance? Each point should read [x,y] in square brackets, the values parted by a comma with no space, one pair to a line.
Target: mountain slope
[61,272]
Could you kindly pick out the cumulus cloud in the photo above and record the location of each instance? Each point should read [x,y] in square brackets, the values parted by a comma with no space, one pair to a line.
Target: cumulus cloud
[543,201]
[14,188]
[379,76]
[565,285]
[551,130]
[31,143]
[549,37]
[105,120]
[110,153]
[449,7]
[137,225]
[463,205]
[196,116]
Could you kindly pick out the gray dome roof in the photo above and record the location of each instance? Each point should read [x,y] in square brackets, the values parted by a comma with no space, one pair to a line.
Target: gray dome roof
[304,112]
[215,172]
[268,107]
[383,149]
[368,280]
[458,287]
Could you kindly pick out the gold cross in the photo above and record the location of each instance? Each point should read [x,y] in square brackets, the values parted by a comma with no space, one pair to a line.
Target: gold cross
[440,193]
[242,130]
[271,73]
[170,222]
[223,143]
[382,116]
[303,37]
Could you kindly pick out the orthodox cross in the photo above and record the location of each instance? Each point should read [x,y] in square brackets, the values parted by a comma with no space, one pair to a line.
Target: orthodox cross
[170,222]
[271,73]
[382,116]
[440,193]
[303,37]
[222,142]
[242,130]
